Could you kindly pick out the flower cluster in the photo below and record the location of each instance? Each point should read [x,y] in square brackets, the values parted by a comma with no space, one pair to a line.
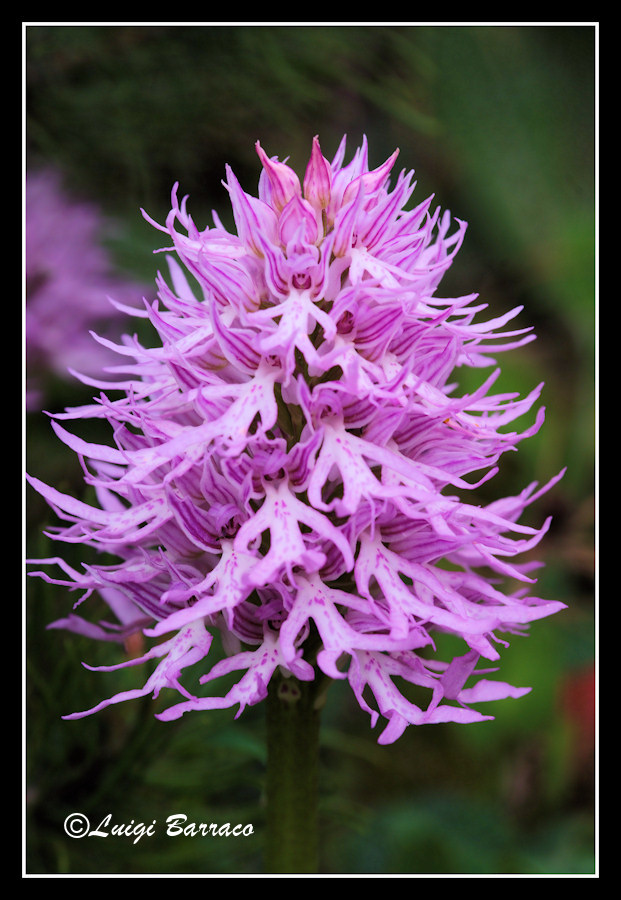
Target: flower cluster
[69,277]
[290,462]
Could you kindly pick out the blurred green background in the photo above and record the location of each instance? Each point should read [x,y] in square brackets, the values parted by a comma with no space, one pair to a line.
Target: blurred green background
[499,123]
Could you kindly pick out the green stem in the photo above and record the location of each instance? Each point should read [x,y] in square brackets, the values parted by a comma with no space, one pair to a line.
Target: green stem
[292,777]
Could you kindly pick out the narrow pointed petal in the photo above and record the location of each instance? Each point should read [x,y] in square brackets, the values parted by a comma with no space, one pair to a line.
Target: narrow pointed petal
[318,179]
[284,183]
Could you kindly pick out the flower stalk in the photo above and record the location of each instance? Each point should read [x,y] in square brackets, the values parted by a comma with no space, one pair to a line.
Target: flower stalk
[292,718]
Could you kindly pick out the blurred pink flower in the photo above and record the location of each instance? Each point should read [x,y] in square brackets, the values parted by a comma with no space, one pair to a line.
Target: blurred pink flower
[70,277]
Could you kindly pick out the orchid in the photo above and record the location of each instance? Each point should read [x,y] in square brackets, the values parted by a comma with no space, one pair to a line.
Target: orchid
[293,466]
